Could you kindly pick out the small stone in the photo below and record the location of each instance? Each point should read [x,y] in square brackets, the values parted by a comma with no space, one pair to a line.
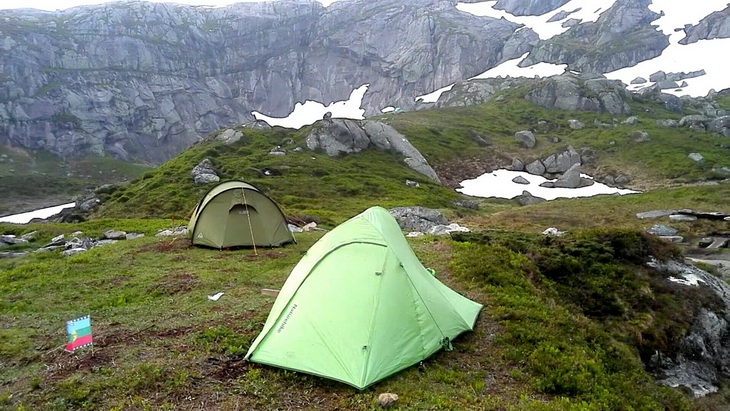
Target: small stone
[682,217]
[575,124]
[387,399]
[411,183]
[520,180]
[115,235]
[697,157]
[672,238]
[661,230]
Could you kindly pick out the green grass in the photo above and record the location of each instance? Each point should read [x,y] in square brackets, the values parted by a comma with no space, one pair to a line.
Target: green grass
[538,343]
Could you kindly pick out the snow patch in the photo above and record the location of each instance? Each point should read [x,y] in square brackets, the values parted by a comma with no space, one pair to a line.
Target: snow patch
[499,184]
[24,218]
[311,111]
[540,24]
[689,279]
[433,96]
[511,68]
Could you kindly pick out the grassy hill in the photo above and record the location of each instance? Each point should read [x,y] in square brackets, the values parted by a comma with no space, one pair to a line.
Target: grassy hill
[565,325]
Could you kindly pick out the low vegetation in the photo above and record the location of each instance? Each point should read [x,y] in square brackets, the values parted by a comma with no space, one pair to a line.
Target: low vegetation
[568,321]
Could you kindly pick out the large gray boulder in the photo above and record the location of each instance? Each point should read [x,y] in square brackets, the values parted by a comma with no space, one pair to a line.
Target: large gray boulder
[562,161]
[720,125]
[570,179]
[526,138]
[536,168]
[204,173]
[418,218]
[526,199]
[341,136]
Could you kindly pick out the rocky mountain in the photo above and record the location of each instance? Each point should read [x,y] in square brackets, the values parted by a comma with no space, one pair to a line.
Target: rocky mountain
[143,81]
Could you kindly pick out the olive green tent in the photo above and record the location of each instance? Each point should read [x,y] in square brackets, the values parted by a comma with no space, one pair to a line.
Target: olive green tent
[359,307]
[234,214]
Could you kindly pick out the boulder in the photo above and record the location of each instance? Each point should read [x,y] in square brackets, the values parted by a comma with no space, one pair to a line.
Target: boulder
[418,218]
[526,138]
[570,179]
[575,124]
[517,165]
[667,123]
[720,125]
[447,229]
[229,136]
[520,180]
[696,157]
[658,76]
[694,120]
[638,80]
[661,230]
[641,137]
[535,168]
[277,151]
[114,235]
[682,217]
[471,205]
[631,120]
[204,173]
[655,214]
[342,136]
[562,161]
[387,399]
[528,199]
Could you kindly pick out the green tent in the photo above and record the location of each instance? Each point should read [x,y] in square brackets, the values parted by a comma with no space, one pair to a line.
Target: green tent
[234,214]
[359,307]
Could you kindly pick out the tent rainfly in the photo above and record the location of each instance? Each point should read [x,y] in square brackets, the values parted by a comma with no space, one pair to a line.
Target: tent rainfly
[234,214]
[360,306]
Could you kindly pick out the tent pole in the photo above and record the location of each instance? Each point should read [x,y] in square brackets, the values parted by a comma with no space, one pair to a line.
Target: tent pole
[248,217]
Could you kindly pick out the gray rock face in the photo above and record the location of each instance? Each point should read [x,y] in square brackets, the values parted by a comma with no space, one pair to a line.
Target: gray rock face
[418,218]
[146,80]
[341,136]
[702,357]
[526,138]
[473,92]
[569,92]
[621,37]
[714,26]
[528,7]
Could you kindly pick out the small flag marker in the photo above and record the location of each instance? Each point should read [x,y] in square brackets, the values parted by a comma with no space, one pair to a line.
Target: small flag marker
[79,333]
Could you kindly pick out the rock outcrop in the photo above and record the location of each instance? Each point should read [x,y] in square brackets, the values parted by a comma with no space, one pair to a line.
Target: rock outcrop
[714,26]
[341,136]
[621,37]
[590,92]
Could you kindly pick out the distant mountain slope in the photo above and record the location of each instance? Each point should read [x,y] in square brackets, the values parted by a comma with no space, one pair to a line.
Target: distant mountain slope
[143,81]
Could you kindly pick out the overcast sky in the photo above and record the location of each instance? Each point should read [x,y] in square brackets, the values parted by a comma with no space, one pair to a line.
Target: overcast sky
[64,4]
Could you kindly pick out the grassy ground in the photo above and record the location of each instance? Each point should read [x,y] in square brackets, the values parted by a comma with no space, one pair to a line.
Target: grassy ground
[160,343]
[32,180]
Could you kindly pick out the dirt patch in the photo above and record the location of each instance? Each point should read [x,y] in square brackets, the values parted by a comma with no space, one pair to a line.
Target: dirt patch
[175,283]
[64,364]
[265,255]
[167,245]
[225,369]
[453,173]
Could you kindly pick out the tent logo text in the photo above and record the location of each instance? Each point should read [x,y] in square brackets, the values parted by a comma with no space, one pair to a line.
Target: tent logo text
[283,324]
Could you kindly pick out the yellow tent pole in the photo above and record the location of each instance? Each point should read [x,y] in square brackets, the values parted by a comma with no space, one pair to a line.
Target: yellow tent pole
[248,217]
